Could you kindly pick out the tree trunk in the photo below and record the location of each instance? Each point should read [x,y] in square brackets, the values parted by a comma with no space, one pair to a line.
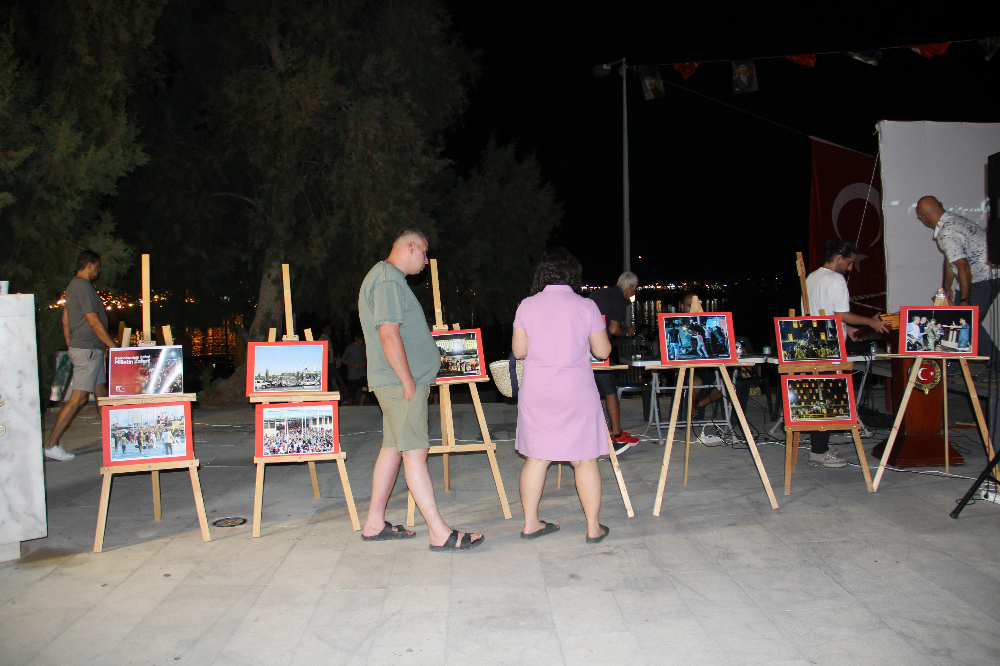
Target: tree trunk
[269,314]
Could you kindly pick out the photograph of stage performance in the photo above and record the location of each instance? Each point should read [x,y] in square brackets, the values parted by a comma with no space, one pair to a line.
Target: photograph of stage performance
[819,399]
[294,430]
[145,370]
[461,354]
[697,338]
[284,367]
[939,330]
[146,433]
[809,339]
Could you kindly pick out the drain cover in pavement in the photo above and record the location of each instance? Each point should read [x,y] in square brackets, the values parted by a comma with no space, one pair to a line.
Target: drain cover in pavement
[235,521]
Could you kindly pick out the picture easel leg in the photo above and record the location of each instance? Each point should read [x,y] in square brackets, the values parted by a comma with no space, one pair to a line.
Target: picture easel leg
[258,499]
[447,430]
[862,458]
[558,475]
[157,512]
[750,440]
[980,419]
[618,475]
[490,452]
[674,409]
[791,450]
[411,506]
[687,436]
[314,478]
[944,400]
[199,501]
[899,420]
[796,443]
[348,495]
[102,512]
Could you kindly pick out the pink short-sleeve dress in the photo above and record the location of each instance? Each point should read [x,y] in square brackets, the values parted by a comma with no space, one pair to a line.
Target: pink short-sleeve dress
[559,413]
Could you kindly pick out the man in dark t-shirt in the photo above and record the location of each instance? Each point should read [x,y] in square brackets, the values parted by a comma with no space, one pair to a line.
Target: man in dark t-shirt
[85,327]
[613,303]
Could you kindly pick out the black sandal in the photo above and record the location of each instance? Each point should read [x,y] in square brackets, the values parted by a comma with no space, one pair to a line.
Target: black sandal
[452,545]
[388,534]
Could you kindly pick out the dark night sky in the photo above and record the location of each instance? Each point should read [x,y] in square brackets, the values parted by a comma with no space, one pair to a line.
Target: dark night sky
[716,194]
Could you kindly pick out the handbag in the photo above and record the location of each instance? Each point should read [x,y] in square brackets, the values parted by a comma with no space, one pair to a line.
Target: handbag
[507,375]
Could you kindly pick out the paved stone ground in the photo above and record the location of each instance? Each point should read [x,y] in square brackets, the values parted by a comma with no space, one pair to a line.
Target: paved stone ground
[835,576]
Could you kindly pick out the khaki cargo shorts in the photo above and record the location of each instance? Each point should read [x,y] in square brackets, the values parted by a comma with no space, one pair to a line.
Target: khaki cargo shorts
[404,424]
[88,369]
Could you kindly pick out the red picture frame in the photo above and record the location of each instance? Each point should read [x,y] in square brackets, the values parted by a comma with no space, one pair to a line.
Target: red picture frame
[606,363]
[285,359]
[145,433]
[947,339]
[145,370]
[702,320]
[459,361]
[804,394]
[300,427]
[811,353]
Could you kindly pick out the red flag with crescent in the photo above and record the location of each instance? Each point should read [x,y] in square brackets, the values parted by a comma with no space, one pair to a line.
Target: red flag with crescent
[842,205]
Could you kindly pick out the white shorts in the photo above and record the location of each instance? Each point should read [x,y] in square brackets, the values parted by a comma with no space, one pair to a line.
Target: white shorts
[88,369]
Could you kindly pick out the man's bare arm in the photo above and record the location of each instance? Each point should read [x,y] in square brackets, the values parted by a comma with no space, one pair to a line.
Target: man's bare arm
[102,333]
[65,325]
[619,330]
[395,353]
[857,320]
[964,278]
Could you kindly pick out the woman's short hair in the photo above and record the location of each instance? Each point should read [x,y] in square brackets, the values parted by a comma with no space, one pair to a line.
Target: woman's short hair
[557,266]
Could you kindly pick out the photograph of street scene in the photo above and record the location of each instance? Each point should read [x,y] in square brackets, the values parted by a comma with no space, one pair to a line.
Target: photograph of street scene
[145,370]
[461,354]
[297,430]
[696,337]
[141,433]
[812,399]
[802,339]
[951,330]
[288,367]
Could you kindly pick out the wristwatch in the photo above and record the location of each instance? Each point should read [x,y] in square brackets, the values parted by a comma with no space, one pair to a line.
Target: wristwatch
[965,300]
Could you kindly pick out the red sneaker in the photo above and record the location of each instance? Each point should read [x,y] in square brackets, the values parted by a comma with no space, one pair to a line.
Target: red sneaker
[624,438]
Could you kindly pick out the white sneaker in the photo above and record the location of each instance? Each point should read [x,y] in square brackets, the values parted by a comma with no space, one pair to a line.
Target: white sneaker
[825,460]
[59,453]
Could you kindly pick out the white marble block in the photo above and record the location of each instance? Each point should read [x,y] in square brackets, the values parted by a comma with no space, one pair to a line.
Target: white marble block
[22,482]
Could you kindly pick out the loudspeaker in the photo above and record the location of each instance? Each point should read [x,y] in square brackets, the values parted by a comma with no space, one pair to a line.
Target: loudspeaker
[993,225]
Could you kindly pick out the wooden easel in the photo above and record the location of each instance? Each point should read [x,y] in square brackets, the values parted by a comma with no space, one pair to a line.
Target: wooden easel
[306,396]
[722,369]
[153,468]
[448,443]
[940,299]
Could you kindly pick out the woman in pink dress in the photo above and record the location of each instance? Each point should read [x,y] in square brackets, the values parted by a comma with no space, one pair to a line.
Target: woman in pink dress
[559,413]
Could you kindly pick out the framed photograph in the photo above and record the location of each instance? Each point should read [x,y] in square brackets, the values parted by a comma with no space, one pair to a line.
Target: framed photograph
[818,399]
[945,330]
[809,339]
[596,362]
[461,355]
[157,432]
[145,370]
[297,429]
[286,367]
[702,337]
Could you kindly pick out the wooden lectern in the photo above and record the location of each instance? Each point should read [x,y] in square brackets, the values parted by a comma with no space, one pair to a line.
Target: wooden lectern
[921,441]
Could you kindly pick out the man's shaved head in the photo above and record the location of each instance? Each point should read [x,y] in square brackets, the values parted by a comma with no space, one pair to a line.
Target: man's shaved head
[409,235]
[929,211]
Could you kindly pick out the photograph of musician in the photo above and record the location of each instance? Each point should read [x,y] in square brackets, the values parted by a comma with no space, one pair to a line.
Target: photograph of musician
[147,432]
[696,337]
[819,400]
[298,430]
[939,330]
[804,340]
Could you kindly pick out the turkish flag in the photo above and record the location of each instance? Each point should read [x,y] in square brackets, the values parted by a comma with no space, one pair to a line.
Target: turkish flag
[841,205]
[807,59]
[930,50]
[688,68]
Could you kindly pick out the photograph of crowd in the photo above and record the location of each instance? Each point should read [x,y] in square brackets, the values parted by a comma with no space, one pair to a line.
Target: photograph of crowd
[941,330]
[145,370]
[146,433]
[809,339]
[461,354]
[295,430]
[819,399]
[286,367]
[697,338]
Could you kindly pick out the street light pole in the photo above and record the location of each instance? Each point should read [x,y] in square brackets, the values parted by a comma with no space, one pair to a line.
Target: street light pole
[626,222]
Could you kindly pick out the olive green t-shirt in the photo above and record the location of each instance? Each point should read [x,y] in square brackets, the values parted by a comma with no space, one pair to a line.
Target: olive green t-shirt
[385,298]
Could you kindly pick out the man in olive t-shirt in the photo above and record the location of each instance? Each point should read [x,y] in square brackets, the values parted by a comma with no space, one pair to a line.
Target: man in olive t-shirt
[85,327]
[403,362]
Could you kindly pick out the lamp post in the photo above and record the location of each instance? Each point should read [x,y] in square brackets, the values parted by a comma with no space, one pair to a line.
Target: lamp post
[604,70]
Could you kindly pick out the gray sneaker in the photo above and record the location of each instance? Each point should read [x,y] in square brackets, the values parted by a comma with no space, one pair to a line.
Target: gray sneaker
[825,460]
[59,453]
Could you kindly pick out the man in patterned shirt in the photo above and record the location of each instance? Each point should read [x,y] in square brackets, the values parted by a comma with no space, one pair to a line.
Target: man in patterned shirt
[964,244]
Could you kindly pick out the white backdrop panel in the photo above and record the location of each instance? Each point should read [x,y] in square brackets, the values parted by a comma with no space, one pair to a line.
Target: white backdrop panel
[945,160]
